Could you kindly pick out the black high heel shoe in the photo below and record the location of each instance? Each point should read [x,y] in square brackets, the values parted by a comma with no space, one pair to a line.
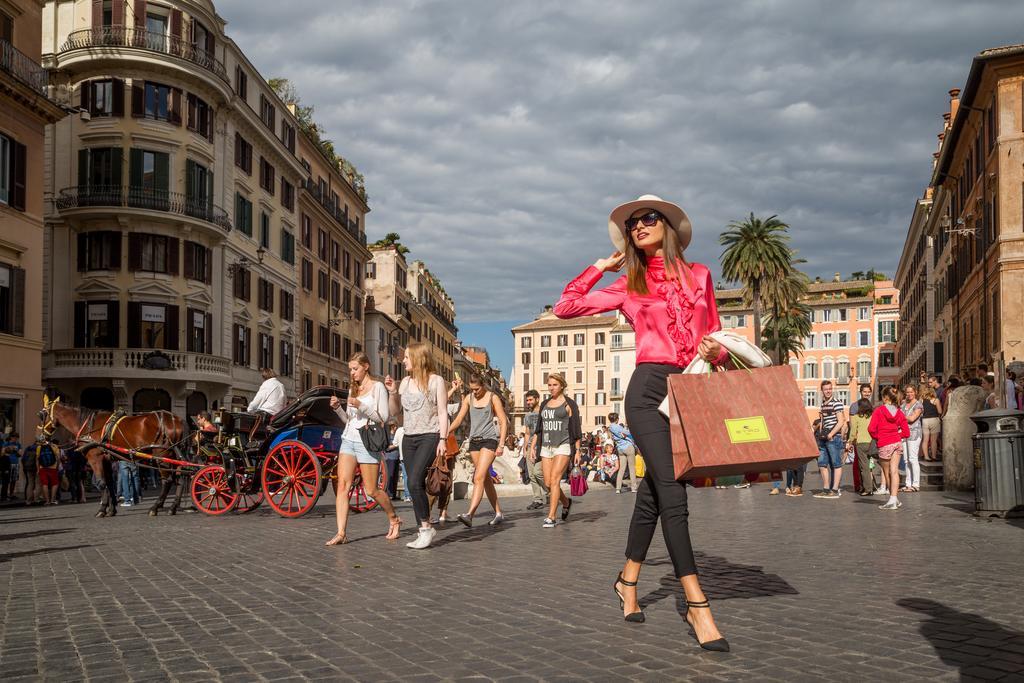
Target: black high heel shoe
[718,645]
[635,617]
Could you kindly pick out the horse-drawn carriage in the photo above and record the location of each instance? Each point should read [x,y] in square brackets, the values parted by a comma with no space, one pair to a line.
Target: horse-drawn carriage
[287,462]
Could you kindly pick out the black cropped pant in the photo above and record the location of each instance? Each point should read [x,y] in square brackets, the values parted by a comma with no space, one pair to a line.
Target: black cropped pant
[660,494]
[419,451]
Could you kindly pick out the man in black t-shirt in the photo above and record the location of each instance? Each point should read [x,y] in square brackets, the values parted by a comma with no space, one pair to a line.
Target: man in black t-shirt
[831,424]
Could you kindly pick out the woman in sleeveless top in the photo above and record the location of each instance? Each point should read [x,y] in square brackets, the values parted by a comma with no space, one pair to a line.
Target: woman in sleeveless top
[421,399]
[932,424]
[367,402]
[670,303]
[913,409]
[557,441]
[486,442]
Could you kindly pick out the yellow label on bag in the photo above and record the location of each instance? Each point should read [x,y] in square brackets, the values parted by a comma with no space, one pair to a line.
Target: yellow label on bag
[747,429]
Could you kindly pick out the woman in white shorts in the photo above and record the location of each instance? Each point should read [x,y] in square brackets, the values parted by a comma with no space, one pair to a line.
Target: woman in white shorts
[367,401]
[558,438]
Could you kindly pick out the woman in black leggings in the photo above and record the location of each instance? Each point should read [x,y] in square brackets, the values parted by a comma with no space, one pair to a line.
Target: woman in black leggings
[671,305]
[422,400]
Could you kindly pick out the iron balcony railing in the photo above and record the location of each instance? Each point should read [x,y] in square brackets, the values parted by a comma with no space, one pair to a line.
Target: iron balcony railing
[129,36]
[22,67]
[350,226]
[142,198]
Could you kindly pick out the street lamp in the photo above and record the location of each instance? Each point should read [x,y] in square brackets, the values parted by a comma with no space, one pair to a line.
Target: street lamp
[244,263]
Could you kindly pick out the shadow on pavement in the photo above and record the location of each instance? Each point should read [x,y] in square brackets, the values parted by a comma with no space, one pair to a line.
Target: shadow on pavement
[7,557]
[981,648]
[22,520]
[721,580]
[33,534]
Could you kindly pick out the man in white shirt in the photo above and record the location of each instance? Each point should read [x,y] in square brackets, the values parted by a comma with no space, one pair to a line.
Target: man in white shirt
[270,399]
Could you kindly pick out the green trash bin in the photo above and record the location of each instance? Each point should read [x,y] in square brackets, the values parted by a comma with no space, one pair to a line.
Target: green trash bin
[999,463]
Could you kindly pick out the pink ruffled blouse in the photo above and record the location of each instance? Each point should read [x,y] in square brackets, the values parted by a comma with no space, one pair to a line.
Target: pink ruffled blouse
[670,321]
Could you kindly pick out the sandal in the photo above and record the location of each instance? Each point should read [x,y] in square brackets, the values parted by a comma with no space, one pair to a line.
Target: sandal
[394,529]
[718,645]
[339,539]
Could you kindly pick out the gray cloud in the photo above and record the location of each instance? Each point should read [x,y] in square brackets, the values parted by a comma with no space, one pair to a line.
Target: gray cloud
[495,137]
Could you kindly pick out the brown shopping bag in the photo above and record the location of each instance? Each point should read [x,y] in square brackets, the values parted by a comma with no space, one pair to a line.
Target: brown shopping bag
[738,422]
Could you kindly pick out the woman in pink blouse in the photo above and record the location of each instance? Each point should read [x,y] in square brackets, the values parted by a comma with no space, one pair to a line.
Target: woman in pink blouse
[671,305]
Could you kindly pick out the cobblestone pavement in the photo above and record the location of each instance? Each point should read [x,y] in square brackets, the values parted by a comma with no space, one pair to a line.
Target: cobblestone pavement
[804,589]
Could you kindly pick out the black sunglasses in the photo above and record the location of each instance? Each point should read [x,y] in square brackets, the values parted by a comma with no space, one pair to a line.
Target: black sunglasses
[648,219]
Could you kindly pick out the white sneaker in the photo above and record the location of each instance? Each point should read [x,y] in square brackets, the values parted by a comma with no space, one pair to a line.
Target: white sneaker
[890,506]
[498,519]
[424,539]
[549,523]
[882,491]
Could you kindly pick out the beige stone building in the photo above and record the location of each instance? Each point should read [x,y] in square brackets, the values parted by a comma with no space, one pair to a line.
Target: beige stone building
[976,221]
[25,111]
[584,350]
[170,270]
[332,257]
[916,350]
[388,310]
[433,317]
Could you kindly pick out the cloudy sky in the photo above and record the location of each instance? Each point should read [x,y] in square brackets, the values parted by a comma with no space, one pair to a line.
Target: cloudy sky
[495,137]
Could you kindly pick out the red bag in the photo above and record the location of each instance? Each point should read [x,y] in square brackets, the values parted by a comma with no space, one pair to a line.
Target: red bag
[577,482]
[738,422]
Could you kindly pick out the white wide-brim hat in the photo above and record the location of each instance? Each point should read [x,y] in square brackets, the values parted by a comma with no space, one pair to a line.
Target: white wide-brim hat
[678,219]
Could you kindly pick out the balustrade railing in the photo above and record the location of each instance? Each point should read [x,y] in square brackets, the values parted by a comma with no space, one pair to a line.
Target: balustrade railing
[154,41]
[142,198]
[23,67]
[136,359]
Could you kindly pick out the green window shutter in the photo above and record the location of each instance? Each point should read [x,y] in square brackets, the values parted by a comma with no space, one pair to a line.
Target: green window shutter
[209,192]
[116,155]
[135,168]
[190,175]
[162,171]
[83,168]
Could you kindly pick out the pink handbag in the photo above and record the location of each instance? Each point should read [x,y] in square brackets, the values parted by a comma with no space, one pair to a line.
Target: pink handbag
[577,482]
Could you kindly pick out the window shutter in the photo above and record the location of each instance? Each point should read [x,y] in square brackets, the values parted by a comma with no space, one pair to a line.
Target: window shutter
[235,357]
[117,91]
[115,250]
[191,103]
[175,26]
[173,327]
[116,161]
[134,324]
[114,316]
[190,327]
[248,347]
[80,308]
[134,254]
[85,95]
[209,124]
[140,14]
[190,179]
[135,169]
[209,332]
[138,99]
[18,175]
[175,106]
[162,173]
[209,192]
[117,13]
[270,297]
[238,149]
[97,14]
[190,272]
[173,247]
[83,254]
[18,302]
[247,285]
[209,43]
[83,170]
[208,275]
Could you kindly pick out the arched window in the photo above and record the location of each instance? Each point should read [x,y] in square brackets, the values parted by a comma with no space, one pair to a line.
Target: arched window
[811,370]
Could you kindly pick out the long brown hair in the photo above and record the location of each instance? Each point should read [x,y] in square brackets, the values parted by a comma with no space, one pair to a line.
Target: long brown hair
[364,360]
[676,267]
[422,364]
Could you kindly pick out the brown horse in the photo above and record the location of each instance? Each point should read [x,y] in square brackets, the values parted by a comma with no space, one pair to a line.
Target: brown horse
[149,435]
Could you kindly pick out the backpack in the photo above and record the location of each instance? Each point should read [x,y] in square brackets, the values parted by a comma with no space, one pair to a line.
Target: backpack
[46,457]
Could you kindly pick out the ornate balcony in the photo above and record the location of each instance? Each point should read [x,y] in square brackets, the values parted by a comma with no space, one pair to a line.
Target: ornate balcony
[141,39]
[135,363]
[21,66]
[145,199]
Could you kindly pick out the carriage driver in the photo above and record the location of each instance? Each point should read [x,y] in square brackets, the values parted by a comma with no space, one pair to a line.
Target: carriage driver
[270,399]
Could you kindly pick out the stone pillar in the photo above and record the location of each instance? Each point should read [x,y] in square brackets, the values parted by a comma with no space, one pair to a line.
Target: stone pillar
[957,430]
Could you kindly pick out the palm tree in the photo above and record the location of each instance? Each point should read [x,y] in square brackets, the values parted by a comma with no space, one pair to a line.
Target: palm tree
[857,275]
[756,252]
[781,297]
[785,332]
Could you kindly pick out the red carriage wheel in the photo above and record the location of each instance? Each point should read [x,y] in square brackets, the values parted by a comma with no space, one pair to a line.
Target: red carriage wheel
[211,491]
[291,479]
[247,502]
[358,501]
